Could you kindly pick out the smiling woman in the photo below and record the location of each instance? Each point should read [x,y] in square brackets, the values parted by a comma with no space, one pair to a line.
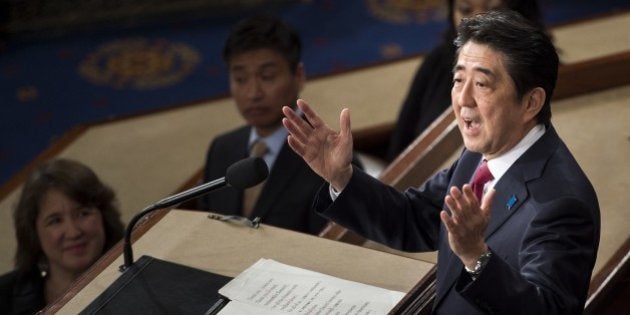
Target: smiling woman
[66,218]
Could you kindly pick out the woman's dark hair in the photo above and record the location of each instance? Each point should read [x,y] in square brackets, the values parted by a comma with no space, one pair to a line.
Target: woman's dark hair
[530,58]
[264,32]
[79,183]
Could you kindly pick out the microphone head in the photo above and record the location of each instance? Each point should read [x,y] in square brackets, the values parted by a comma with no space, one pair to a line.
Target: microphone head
[246,173]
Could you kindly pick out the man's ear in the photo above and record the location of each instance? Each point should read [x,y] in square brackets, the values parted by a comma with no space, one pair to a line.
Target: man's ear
[533,102]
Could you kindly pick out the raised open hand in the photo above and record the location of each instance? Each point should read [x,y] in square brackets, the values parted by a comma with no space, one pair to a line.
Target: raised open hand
[467,223]
[327,152]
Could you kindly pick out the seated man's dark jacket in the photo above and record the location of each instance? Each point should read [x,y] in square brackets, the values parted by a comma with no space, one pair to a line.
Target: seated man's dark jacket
[21,293]
[543,231]
[287,196]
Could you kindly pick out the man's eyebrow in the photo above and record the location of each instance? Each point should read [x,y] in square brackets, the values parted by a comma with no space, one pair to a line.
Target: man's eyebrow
[483,70]
[266,65]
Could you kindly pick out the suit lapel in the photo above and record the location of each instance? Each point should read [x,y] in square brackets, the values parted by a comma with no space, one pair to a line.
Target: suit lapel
[511,190]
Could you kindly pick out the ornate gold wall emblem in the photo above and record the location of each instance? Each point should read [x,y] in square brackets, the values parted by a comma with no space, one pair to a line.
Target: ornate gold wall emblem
[408,11]
[139,63]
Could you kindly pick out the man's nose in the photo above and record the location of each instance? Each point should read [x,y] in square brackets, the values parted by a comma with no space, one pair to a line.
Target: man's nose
[254,89]
[464,96]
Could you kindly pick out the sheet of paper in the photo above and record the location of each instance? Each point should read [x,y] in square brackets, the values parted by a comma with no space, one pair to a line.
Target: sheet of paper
[270,287]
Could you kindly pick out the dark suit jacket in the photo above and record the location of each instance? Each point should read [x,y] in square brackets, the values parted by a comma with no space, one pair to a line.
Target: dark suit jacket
[21,293]
[287,196]
[543,231]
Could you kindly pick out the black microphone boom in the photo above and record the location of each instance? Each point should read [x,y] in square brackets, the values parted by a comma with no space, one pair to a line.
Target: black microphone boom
[240,175]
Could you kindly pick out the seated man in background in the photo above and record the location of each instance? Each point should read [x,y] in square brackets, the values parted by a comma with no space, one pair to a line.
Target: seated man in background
[65,220]
[265,73]
[515,219]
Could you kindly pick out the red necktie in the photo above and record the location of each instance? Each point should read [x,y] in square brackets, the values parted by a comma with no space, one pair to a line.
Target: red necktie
[482,176]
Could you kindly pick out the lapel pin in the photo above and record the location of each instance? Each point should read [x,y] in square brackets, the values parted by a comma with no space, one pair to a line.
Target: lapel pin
[511,202]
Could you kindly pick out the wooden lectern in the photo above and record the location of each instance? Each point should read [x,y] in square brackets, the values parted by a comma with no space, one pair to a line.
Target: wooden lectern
[193,239]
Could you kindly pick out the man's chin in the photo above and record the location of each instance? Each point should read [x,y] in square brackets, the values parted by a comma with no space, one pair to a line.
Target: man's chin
[266,125]
[473,146]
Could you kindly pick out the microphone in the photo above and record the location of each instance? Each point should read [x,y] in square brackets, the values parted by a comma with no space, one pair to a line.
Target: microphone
[240,175]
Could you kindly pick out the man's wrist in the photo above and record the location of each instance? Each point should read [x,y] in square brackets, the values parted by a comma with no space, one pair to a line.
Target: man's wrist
[481,263]
[339,183]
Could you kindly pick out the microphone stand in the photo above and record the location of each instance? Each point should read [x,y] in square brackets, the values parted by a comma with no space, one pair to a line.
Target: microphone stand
[240,175]
[164,203]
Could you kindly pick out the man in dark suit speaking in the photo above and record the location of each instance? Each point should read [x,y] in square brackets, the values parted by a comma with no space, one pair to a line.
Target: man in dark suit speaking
[528,246]
[263,55]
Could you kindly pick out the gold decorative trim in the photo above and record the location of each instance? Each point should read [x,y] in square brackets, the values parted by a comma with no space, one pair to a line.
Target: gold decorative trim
[139,64]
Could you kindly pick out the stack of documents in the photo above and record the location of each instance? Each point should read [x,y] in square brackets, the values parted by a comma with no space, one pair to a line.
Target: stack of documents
[270,287]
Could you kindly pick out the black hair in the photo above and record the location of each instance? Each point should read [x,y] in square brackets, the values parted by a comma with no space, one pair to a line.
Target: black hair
[264,32]
[531,59]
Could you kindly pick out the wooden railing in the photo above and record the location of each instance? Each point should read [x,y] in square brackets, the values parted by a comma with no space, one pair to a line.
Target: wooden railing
[610,287]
